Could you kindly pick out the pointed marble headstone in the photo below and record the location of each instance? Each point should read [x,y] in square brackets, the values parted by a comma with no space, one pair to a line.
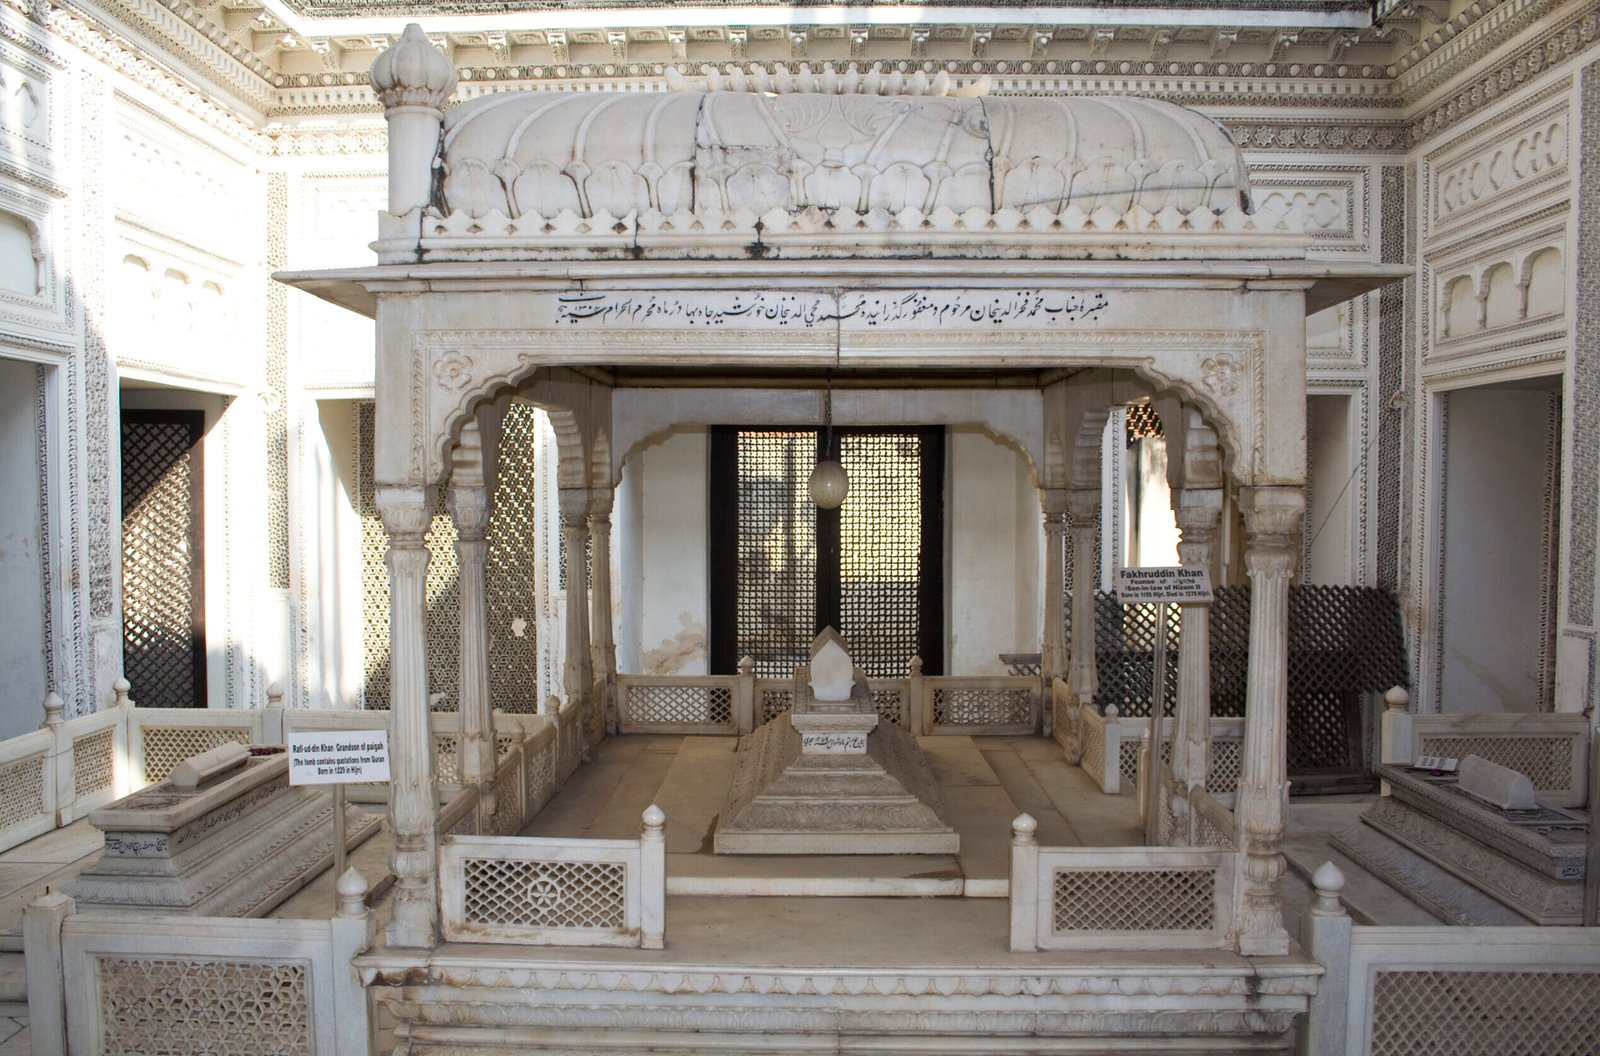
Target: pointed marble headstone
[833,673]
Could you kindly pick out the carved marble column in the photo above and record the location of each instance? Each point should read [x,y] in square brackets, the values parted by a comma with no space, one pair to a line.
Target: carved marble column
[578,675]
[1053,643]
[604,649]
[413,806]
[1084,506]
[469,507]
[1272,523]
[1198,510]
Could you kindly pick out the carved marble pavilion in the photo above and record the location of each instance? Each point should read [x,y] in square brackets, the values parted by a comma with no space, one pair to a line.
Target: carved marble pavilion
[547,249]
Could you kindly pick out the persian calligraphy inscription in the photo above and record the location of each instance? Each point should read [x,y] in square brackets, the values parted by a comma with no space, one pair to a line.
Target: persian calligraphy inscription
[807,309]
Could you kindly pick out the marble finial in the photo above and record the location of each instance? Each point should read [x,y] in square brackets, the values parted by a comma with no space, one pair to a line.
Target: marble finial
[413,72]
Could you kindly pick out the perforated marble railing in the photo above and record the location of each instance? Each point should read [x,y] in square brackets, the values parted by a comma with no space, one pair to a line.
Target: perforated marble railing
[556,891]
[57,774]
[1467,991]
[737,704]
[1136,898]
[1552,750]
[106,985]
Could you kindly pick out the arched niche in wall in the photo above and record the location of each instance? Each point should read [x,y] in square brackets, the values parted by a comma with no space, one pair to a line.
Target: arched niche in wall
[135,295]
[1460,308]
[1502,301]
[21,257]
[1546,279]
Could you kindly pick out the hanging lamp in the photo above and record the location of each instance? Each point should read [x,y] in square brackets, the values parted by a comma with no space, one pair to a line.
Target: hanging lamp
[829,483]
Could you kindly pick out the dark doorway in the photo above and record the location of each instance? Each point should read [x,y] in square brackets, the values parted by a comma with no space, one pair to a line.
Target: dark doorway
[163,568]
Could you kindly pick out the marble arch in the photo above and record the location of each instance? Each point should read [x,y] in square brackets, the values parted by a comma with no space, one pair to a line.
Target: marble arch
[841,229]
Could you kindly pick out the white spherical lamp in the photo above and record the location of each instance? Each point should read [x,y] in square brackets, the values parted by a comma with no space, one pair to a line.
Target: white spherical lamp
[829,484]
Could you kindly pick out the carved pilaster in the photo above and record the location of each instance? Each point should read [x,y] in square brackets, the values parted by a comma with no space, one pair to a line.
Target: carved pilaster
[1198,511]
[1053,643]
[604,647]
[578,675]
[1272,523]
[1084,507]
[405,512]
[469,508]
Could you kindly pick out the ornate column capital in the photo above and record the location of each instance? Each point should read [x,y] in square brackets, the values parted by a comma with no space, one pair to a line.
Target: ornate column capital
[574,505]
[1198,511]
[1053,502]
[1084,504]
[406,512]
[469,509]
[1273,518]
[601,501]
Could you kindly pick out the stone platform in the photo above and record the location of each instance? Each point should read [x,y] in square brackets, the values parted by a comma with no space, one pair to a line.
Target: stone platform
[984,783]
[1468,862]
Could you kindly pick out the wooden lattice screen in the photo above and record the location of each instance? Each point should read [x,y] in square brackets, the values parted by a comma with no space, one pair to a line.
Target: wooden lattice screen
[1343,642]
[163,595]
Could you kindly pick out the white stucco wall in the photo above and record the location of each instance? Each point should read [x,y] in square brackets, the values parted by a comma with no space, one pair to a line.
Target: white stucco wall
[22,645]
[1329,526]
[328,485]
[664,521]
[1496,566]
[993,568]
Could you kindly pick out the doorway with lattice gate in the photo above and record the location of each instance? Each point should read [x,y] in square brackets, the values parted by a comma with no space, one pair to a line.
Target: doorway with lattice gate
[781,568]
[163,564]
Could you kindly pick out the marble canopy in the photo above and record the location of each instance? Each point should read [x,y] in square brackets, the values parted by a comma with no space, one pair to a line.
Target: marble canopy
[1019,265]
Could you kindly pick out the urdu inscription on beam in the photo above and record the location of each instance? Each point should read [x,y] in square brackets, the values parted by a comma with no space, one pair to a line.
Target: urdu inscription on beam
[804,309]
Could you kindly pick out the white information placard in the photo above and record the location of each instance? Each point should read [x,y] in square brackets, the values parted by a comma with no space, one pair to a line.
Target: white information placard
[338,757]
[1164,584]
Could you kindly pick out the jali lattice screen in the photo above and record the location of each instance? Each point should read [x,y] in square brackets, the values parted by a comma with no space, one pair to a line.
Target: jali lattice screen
[509,577]
[777,558]
[880,548]
[162,628]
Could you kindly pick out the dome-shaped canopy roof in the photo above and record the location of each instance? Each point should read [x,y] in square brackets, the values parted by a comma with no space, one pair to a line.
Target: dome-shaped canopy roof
[537,154]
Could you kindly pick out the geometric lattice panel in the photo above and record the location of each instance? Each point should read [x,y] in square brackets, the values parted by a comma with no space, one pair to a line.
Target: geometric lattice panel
[154,1007]
[1547,761]
[374,574]
[1134,900]
[93,760]
[1458,1013]
[776,609]
[21,791]
[775,702]
[982,707]
[880,550]
[163,648]
[545,894]
[1343,642]
[508,587]
[667,704]
[442,589]
[167,746]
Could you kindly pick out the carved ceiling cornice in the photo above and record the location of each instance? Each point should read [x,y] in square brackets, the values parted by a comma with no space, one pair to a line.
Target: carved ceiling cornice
[269,76]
